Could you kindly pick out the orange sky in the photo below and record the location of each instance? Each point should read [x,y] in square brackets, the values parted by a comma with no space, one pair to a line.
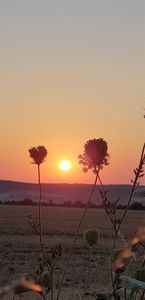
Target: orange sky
[70,73]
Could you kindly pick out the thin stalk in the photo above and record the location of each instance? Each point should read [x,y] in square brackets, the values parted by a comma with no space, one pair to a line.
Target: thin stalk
[132,192]
[76,235]
[40,231]
[117,229]
[88,273]
[89,266]
[102,186]
[108,214]
[133,187]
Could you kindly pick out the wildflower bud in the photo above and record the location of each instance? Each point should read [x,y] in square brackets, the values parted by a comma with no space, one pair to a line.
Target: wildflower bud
[91,236]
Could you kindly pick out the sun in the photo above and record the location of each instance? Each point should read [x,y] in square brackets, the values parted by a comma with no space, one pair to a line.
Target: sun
[65,165]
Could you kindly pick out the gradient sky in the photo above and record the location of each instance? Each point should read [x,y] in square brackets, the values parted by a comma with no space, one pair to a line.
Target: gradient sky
[71,71]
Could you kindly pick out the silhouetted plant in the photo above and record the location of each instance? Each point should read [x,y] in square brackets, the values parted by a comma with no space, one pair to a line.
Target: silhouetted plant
[138,174]
[92,160]
[38,155]
[42,275]
[94,157]
[111,209]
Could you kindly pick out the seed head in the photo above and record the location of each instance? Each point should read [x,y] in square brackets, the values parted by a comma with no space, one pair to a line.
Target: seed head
[91,236]
[38,154]
[95,155]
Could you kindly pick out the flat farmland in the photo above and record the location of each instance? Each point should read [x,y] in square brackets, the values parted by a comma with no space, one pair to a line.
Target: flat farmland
[20,250]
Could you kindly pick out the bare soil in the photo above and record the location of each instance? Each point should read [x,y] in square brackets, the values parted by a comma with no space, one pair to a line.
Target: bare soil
[20,250]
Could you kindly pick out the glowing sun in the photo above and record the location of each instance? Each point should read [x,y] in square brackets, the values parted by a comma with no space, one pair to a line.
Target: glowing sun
[65,165]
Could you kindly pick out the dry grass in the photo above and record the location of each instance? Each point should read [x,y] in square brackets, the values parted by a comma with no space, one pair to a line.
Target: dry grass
[20,250]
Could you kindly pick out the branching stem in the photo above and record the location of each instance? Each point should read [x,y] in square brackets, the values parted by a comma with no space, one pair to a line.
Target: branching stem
[137,175]
[76,235]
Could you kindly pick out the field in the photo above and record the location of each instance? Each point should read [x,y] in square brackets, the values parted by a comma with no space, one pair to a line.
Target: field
[20,250]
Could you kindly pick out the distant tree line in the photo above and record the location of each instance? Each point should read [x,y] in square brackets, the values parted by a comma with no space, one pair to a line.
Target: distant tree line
[78,203]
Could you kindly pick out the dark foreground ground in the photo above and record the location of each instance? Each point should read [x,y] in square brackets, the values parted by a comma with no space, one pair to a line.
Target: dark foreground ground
[20,250]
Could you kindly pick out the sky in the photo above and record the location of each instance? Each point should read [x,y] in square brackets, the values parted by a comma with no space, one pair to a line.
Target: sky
[71,71]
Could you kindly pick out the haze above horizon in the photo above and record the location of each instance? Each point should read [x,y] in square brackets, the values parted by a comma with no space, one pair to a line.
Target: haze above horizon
[71,71]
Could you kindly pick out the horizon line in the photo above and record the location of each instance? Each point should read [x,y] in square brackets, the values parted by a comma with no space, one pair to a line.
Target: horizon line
[65,183]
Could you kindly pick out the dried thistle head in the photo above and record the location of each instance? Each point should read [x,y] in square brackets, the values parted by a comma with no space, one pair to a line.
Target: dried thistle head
[91,236]
[38,154]
[95,155]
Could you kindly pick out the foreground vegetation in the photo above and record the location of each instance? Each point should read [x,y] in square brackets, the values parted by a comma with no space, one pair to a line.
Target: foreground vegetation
[42,280]
[20,250]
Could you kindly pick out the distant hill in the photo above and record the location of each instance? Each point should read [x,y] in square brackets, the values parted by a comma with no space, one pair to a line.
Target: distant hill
[12,190]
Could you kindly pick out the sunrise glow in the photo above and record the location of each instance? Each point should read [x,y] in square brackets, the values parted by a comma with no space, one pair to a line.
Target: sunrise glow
[65,165]
[65,79]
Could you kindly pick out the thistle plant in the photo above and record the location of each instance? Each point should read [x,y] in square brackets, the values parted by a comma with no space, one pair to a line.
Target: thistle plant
[94,157]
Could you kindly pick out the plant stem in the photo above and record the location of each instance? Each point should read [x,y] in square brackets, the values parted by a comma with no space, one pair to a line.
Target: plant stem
[40,231]
[126,210]
[76,235]
[131,194]
[89,266]
[103,190]
[88,273]
[133,187]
